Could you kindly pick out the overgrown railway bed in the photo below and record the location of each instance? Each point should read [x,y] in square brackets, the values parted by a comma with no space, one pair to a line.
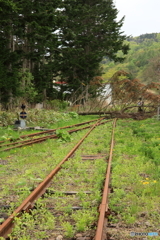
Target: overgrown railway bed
[49,134]
[70,194]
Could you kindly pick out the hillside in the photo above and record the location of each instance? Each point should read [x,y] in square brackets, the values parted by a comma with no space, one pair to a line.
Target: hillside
[142,61]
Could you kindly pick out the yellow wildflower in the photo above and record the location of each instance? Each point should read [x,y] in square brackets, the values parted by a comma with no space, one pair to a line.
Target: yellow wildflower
[154,181]
[145,182]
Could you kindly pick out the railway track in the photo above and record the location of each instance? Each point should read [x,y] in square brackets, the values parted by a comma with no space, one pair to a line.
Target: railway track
[46,132]
[50,134]
[63,194]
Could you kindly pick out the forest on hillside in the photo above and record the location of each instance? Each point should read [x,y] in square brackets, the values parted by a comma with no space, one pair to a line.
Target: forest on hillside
[142,61]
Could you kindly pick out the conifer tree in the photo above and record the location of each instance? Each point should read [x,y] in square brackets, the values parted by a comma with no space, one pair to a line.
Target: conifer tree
[27,44]
[89,33]
[65,39]
[38,21]
[8,59]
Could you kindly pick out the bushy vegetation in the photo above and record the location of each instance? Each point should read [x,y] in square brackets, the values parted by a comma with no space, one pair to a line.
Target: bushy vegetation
[142,60]
[47,119]
[43,118]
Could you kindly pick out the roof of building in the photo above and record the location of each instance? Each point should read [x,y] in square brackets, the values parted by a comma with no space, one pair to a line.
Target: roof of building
[60,83]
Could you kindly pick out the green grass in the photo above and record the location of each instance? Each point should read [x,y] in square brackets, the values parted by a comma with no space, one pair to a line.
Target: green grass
[26,167]
[135,175]
[134,202]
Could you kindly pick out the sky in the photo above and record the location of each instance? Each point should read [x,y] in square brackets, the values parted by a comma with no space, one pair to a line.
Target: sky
[141,16]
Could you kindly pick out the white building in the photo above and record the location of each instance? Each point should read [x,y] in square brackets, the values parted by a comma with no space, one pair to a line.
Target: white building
[106,93]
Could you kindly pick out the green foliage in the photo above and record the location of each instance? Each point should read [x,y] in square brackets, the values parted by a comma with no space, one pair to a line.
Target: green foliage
[142,59]
[26,224]
[57,105]
[55,40]
[68,228]
[83,220]
[26,38]
[83,22]
[63,136]
[73,114]
[26,88]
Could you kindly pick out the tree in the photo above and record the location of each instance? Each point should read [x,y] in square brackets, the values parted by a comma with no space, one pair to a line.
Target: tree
[152,70]
[126,91]
[65,39]
[27,41]
[8,59]
[37,24]
[88,33]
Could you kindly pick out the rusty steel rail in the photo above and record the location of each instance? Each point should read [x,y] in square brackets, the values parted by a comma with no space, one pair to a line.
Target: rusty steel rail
[48,131]
[41,139]
[39,133]
[28,203]
[14,143]
[53,130]
[44,132]
[104,204]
